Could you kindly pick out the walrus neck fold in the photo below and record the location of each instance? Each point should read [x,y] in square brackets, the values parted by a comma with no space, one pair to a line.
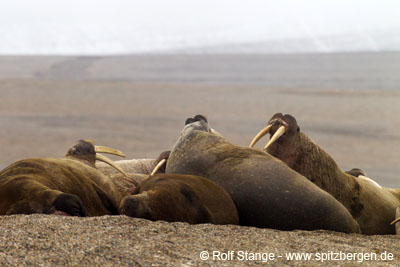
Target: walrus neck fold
[308,159]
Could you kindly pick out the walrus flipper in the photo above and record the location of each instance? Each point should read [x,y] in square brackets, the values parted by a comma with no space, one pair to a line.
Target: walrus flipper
[203,215]
[70,204]
[106,200]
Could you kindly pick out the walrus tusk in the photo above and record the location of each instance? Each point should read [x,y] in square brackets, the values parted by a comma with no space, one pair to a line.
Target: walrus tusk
[260,135]
[277,134]
[395,221]
[108,150]
[110,162]
[158,166]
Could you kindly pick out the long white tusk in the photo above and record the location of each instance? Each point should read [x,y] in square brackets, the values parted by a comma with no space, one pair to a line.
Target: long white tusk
[260,135]
[108,150]
[110,162]
[395,221]
[158,166]
[277,134]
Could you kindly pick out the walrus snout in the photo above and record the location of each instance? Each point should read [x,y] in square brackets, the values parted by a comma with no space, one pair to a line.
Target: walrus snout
[199,122]
[279,125]
[134,206]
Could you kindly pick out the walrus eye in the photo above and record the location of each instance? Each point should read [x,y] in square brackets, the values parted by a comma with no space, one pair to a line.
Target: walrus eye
[298,129]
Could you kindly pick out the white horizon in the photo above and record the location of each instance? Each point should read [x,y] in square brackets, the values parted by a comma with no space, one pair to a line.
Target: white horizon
[137,26]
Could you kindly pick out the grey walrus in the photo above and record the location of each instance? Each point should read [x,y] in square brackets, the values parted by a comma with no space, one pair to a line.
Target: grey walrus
[180,198]
[266,192]
[70,185]
[370,204]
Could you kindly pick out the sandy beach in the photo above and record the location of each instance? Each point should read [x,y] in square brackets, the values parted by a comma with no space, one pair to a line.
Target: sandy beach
[347,103]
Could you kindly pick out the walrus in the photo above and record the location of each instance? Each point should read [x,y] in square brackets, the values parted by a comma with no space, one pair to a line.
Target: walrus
[370,204]
[136,171]
[180,198]
[266,192]
[360,174]
[396,222]
[70,185]
[356,172]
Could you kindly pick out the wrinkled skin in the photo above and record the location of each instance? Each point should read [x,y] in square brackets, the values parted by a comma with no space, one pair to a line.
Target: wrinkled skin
[266,192]
[70,185]
[371,205]
[180,198]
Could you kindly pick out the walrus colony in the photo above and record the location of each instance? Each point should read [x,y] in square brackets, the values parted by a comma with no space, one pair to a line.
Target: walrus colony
[372,206]
[266,192]
[73,186]
[298,204]
[70,185]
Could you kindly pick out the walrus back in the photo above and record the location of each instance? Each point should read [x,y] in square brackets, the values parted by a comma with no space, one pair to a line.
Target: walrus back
[266,192]
[40,181]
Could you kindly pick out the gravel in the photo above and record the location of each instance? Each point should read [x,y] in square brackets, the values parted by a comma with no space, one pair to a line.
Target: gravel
[45,240]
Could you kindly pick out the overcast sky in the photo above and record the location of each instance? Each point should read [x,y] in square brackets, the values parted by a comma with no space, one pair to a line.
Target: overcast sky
[42,25]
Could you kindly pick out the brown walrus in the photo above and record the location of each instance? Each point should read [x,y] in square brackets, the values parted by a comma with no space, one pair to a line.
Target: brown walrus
[70,185]
[266,192]
[180,198]
[371,205]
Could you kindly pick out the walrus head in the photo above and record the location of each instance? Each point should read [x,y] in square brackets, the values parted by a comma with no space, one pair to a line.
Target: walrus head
[85,151]
[285,134]
[199,122]
[356,172]
[161,162]
[281,126]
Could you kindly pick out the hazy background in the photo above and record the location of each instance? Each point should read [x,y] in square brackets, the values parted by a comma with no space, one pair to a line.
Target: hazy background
[135,26]
[128,73]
